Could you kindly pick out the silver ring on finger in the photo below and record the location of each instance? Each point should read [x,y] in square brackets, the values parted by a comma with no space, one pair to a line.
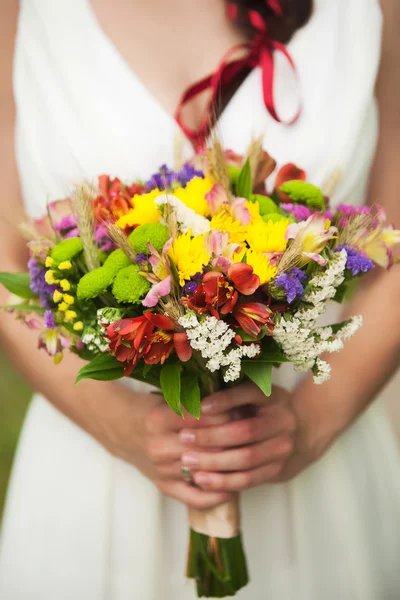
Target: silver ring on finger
[187,474]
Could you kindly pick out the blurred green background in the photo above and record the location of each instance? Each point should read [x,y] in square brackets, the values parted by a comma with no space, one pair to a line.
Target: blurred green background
[14,400]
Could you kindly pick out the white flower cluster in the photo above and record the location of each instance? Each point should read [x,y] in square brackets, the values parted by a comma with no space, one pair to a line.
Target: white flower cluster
[348,330]
[186,217]
[323,287]
[93,335]
[108,315]
[301,340]
[212,339]
[94,340]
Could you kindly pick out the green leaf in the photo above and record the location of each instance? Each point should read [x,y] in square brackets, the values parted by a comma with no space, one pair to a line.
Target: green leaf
[146,370]
[260,373]
[190,395]
[271,352]
[170,381]
[102,368]
[346,290]
[18,284]
[249,338]
[23,307]
[244,185]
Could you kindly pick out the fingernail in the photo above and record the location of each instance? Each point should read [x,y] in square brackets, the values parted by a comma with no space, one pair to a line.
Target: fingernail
[190,460]
[202,479]
[208,406]
[187,437]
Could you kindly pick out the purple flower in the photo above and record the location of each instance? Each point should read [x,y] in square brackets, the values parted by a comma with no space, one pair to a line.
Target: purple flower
[162,180]
[142,259]
[292,284]
[190,287]
[166,178]
[103,240]
[348,210]
[67,227]
[187,173]
[39,285]
[300,212]
[49,320]
[356,263]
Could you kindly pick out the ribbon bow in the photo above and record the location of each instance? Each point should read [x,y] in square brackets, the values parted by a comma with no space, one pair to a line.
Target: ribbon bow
[258,52]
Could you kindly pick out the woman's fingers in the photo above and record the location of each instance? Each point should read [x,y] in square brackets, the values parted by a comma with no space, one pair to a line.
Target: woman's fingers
[192,496]
[239,433]
[225,400]
[235,482]
[240,459]
[162,419]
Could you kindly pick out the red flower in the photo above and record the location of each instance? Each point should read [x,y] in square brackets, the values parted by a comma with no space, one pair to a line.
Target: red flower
[150,337]
[114,199]
[215,295]
[243,278]
[287,173]
[252,316]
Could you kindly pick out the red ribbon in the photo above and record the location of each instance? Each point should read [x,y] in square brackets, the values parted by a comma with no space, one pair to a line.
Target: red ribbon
[258,52]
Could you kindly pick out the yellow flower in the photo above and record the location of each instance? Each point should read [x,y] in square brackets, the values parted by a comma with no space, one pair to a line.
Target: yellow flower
[66,265]
[70,315]
[65,285]
[224,222]
[193,195]
[49,261]
[267,237]
[63,307]
[144,210]
[57,296]
[78,326]
[261,266]
[189,255]
[68,299]
[49,278]
[254,210]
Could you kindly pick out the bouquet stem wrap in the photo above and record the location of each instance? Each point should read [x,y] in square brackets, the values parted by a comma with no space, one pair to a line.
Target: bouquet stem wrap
[216,557]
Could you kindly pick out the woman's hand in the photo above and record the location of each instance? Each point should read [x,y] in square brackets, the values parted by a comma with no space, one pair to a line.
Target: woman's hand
[263,447]
[144,431]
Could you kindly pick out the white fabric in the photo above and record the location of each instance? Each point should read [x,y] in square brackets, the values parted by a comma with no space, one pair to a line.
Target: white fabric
[82,525]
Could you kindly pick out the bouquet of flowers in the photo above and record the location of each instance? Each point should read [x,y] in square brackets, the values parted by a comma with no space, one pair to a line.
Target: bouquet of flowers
[192,281]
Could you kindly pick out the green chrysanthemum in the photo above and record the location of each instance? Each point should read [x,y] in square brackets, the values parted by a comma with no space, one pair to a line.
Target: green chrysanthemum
[67,249]
[94,283]
[155,233]
[274,217]
[129,285]
[304,193]
[266,204]
[116,261]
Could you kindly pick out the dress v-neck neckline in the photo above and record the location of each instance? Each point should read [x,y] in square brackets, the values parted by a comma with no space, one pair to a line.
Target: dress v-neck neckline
[134,78]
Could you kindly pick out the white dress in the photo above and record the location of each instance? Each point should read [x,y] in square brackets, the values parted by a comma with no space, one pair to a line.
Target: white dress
[83,525]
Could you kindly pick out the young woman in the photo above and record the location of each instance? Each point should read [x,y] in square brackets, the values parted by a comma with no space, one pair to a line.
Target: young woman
[96,507]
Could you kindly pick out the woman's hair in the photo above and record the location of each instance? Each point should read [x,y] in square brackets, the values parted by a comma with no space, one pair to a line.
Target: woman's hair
[295,14]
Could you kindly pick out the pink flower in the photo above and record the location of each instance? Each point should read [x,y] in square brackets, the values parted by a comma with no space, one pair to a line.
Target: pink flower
[217,198]
[160,289]
[312,236]
[240,212]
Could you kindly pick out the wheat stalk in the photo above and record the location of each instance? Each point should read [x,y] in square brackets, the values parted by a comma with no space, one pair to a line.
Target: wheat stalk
[253,155]
[82,199]
[217,163]
[331,182]
[119,238]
